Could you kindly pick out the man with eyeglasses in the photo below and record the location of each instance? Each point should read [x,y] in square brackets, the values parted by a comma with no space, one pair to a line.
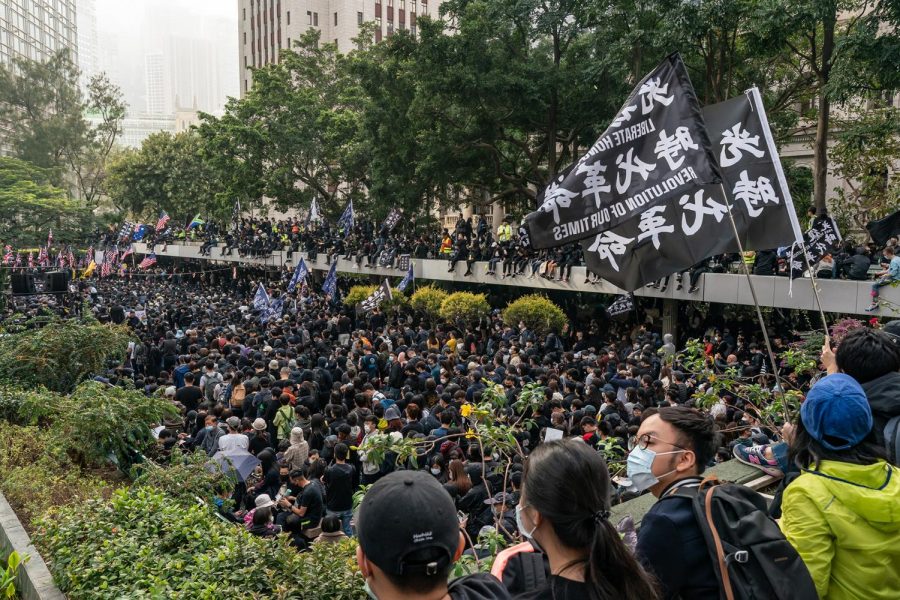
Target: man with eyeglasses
[674,446]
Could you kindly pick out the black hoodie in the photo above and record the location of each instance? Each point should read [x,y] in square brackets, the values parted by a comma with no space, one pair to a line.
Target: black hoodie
[480,586]
[884,398]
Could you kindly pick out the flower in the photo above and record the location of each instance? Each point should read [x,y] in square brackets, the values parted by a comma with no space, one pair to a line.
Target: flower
[465,410]
[470,433]
[382,424]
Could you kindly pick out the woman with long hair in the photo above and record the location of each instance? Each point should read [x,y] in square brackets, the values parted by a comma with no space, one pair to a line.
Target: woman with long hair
[458,481]
[564,510]
[842,513]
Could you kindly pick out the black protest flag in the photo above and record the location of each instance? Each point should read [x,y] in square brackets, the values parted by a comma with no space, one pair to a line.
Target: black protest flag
[655,148]
[694,226]
[622,305]
[883,229]
[822,238]
[391,220]
[381,293]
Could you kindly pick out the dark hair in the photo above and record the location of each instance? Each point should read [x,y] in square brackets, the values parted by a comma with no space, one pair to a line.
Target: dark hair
[341,451]
[331,524]
[696,430]
[866,354]
[262,516]
[807,453]
[580,516]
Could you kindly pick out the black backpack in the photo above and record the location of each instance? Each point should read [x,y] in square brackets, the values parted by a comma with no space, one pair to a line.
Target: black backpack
[750,555]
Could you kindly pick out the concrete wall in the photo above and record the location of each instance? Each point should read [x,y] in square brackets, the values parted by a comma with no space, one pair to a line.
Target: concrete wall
[33,581]
[851,297]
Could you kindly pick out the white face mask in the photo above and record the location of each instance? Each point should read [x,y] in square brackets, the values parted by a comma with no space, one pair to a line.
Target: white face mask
[435,471]
[368,429]
[529,535]
[640,468]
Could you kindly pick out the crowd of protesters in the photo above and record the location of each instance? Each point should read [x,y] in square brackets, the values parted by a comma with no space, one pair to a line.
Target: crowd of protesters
[503,248]
[307,392]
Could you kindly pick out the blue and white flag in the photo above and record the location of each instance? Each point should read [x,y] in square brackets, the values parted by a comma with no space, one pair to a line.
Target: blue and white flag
[313,212]
[410,277]
[273,311]
[346,221]
[261,300]
[329,288]
[299,274]
[140,231]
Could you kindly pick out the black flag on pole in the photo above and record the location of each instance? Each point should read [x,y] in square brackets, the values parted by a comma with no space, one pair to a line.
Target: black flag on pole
[623,304]
[655,148]
[883,229]
[693,226]
[391,221]
[381,293]
[822,238]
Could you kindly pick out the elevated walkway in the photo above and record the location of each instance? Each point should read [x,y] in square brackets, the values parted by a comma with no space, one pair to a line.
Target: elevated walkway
[838,296]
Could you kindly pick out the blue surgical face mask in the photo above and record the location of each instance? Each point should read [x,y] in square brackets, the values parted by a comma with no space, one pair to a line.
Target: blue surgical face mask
[640,468]
[521,525]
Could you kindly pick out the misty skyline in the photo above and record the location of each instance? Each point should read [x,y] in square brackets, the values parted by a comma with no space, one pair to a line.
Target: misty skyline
[163,52]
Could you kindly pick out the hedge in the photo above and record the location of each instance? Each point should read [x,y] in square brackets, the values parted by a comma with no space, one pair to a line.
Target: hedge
[539,314]
[464,306]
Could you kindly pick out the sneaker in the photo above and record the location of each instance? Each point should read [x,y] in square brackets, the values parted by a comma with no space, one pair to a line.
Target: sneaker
[755,456]
[662,289]
[873,306]
[678,288]
[693,289]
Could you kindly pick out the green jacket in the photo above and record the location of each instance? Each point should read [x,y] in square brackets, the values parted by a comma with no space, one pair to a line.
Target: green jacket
[844,520]
[284,421]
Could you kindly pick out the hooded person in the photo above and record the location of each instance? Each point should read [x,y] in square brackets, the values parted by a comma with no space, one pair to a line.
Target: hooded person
[298,452]
[842,513]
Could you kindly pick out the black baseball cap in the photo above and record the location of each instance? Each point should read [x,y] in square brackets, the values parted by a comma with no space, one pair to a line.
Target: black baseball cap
[403,515]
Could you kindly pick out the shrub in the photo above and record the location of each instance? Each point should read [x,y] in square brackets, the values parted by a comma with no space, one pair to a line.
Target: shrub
[61,353]
[464,306]
[185,478]
[35,472]
[144,544]
[537,312]
[427,300]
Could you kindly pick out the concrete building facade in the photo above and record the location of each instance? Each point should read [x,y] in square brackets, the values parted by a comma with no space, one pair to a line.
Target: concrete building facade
[266,27]
[36,29]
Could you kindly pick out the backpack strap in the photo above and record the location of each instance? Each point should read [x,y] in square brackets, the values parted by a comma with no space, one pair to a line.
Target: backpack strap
[720,551]
[892,440]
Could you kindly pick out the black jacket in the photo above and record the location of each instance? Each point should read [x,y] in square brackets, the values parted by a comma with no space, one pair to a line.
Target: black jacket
[884,398]
[671,546]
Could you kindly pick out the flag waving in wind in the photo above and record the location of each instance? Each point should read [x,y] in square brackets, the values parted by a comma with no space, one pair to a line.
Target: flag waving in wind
[7,254]
[656,148]
[163,219]
[148,262]
[329,287]
[346,221]
[313,215]
[299,275]
[261,299]
[196,222]
[410,277]
[381,293]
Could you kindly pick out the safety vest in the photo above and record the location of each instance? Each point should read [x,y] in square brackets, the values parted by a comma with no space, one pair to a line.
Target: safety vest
[504,232]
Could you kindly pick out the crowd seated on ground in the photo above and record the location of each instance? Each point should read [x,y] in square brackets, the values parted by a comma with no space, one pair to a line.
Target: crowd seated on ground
[307,392]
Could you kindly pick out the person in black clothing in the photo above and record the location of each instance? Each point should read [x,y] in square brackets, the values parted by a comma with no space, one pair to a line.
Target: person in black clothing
[409,538]
[675,443]
[189,395]
[310,505]
[856,267]
[338,480]
[570,523]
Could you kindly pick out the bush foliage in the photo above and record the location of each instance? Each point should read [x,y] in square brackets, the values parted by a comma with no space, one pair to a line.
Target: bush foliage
[143,543]
[357,294]
[427,300]
[60,354]
[539,314]
[464,306]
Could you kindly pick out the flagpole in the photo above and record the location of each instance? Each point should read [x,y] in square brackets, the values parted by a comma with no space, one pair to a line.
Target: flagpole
[759,315]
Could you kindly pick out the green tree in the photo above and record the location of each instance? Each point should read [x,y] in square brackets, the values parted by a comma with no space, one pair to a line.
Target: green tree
[41,109]
[30,204]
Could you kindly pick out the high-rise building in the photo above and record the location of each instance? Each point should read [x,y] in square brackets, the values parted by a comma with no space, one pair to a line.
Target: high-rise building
[36,29]
[157,94]
[265,27]
[88,41]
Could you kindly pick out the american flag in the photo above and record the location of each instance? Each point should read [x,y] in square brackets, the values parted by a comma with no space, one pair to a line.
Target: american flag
[129,250]
[31,260]
[71,259]
[108,262]
[50,238]
[42,257]
[125,231]
[7,254]
[163,219]
[18,260]
[148,262]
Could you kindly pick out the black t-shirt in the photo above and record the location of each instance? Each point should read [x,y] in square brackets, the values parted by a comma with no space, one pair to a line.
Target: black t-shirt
[311,498]
[557,588]
[190,396]
[339,481]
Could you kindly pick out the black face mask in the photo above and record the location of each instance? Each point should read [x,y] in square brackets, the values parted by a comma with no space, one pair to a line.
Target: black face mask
[284,478]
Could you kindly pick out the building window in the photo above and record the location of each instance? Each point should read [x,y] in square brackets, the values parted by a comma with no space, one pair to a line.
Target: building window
[245,61]
[289,43]
[245,14]
[336,44]
[315,19]
[390,28]
[390,2]
[359,18]
[245,38]
[402,4]
[288,17]
[335,19]
[309,17]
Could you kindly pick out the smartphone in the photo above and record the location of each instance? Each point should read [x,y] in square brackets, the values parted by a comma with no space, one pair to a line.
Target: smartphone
[461,516]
